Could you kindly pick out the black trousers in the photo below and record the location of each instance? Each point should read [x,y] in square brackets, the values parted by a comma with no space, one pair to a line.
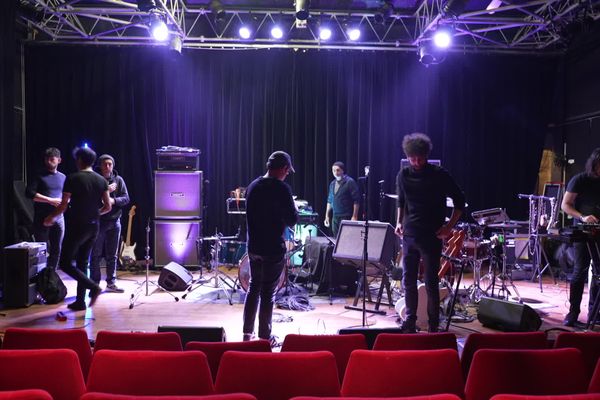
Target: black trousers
[337,221]
[77,244]
[580,274]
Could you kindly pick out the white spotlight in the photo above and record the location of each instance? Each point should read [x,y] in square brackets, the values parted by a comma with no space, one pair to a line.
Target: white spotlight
[325,33]
[276,32]
[244,32]
[442,38]
[354,34]
[159,30]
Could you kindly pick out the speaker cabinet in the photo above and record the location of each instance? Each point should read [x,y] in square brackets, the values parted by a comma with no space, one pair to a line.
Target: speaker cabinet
[176,241]
[22,262]
[370,333]
[174,277]
[380,246]
[196,333]
[177,194]
[507,316]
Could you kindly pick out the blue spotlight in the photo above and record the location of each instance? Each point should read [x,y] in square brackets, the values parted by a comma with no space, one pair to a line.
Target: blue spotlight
[442,38]
[354,34]
[325,33]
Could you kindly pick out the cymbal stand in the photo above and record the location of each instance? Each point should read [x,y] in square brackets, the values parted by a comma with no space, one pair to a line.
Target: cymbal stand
[503,276]
[147,282]
[475,290]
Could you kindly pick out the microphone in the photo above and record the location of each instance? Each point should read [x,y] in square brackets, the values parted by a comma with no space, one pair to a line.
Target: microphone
[367,168]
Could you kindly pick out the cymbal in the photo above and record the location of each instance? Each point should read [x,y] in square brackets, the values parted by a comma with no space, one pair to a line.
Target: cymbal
[391,196]
[504,226]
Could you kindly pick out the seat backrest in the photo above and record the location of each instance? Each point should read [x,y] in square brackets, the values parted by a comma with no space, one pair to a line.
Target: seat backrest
[531,372]
[594,386]
[150,373]
[26,394]
[444,396]
[278,376]
[108,396]
[340,345]
[162,341]
[416,341]
[587,342]
[508,340]
[57,371]
[413,373]
[215,350]
[74,339]
[583,396]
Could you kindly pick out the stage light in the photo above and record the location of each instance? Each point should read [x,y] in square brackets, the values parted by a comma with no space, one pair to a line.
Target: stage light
[453,8]
[146,5]
[85,145]
[216,7]
[175,44]
[384,12]
[354,34]
[302,11]
[324,33]
[430,55]
[276,32]
[159,30]
[244,32]
[442,38]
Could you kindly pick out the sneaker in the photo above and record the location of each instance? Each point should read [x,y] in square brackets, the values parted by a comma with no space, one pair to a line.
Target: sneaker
[248,337]
[111,287]
[273,341]
[570,320]
[77,306]
[408,327]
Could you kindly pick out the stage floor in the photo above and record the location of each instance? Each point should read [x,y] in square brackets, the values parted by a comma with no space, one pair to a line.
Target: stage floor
[208,306]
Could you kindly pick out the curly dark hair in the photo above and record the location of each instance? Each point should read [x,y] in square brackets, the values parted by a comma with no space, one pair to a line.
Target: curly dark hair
[52,152]
[417,144]
[85,154]
[592,162]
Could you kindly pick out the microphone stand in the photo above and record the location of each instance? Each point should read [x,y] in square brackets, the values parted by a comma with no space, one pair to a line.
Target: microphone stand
[365,250]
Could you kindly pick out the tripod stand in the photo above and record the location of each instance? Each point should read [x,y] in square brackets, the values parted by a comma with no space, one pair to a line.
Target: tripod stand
[147,282]
[503,276]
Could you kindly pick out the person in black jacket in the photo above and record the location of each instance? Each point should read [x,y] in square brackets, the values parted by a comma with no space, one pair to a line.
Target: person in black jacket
[109,233]
[422,189]
[85,193]
[343,198]
[46,191]
[582,202]
[270,210]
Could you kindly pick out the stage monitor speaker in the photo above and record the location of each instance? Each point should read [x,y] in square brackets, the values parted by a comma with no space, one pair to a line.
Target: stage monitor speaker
[370,334]
[381,244]
[176,241]
[507,316]
[174,277]
[177,194]
[196,333]
[22,262]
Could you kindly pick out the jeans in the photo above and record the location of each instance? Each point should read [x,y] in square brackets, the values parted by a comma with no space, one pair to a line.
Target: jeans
[428,248]
[53,236]
[580,273]
[78,243]
[264,276]
[107,243]
[336,222]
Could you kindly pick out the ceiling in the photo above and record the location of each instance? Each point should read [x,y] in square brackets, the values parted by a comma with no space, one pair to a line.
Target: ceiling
[514,26]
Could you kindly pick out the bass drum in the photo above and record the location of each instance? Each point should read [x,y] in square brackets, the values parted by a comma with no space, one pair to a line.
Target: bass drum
[244,274]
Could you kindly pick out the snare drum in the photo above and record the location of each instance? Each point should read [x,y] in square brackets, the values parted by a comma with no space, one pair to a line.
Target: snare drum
[231,252]
[244,274]
[477,249]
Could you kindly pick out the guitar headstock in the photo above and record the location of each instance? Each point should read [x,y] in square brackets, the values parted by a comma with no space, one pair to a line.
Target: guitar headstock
[132,211]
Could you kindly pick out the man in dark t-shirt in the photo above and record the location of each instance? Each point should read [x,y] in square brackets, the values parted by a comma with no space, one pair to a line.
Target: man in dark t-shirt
[343,198]
[582,202]
[46,191]
[422,189]
[270,210]
[86,195]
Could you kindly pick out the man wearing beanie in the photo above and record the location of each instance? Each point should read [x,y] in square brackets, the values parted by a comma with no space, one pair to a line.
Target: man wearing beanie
[109,234]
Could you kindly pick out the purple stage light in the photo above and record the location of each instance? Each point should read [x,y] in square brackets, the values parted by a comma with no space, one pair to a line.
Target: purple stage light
[325,33]
[276,32]
[159,30]
[354,34]
[244,32]
[442,38]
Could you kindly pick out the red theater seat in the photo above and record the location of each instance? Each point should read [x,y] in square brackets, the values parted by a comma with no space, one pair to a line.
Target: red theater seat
[595,381]
[511,340]
[432,397]
[215,350]
[587,342]
[529,372]
[416,341]
[163,341]
[27,394]
[340,345]
[402,373]
[278,376]
[584,396]
[57,371]
[150,373]
[74,339]
[108,396]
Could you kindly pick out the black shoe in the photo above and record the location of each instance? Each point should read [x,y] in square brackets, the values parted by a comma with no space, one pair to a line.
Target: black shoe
[94,293]
[433,329]
[570,320]
[408,327]
[77,306]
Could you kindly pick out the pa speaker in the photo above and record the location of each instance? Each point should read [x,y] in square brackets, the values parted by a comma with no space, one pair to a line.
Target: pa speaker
[176,241]
[381,244]
[370,334]
[177,194]
[507,316]
[196,333]
[174,277]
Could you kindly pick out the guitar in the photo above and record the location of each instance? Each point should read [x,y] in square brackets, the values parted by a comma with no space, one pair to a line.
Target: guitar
[127,253]
[453,248]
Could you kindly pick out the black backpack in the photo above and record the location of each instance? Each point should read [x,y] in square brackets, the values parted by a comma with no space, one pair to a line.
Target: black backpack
[50,286]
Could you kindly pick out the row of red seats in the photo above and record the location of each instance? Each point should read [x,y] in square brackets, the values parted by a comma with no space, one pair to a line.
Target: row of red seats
[340,345]
[281,376]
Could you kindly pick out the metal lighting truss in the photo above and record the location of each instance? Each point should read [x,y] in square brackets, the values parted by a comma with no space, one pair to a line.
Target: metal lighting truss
[536,26]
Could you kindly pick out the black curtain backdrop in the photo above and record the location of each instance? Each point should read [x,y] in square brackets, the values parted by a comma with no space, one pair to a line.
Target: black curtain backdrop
[485,114]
